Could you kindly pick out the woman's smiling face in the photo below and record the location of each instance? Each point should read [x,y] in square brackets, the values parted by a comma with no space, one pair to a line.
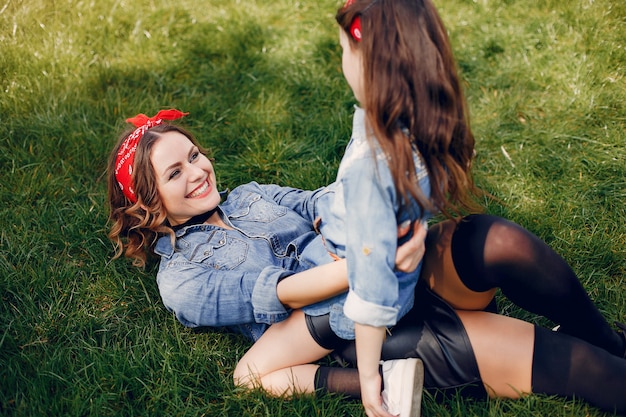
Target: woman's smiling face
[185,178]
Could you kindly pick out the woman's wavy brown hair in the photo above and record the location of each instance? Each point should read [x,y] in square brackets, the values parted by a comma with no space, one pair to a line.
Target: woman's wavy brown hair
[135,227]
[411,82]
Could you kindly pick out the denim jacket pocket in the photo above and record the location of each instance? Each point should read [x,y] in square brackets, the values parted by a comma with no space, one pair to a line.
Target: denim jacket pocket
[221,251]
[255,208]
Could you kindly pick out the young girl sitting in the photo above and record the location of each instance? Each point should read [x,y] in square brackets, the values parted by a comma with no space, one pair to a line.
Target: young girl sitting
[409,156]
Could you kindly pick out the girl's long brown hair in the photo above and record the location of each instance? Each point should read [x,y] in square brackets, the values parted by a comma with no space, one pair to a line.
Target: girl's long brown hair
[136,227]
[411,82]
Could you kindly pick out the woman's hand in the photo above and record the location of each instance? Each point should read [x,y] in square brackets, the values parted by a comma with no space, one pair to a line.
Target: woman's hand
[410,254]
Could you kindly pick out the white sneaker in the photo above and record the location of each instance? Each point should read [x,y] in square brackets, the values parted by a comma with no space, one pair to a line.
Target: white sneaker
[403,380]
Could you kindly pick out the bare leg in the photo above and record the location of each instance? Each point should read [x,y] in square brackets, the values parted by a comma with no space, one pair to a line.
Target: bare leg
[515,358]
[465,263]
[503,347]
[280,360]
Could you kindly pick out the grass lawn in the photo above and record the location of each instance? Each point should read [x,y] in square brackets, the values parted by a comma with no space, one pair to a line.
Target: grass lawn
[82,335]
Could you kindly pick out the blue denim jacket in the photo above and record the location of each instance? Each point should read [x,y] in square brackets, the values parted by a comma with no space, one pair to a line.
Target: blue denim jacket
[359,221]
[213,276]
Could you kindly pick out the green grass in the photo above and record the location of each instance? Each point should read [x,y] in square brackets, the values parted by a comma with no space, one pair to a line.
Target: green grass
[81,335]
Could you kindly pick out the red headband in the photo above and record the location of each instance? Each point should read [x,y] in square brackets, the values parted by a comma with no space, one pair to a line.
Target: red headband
[126,154]
[355,26]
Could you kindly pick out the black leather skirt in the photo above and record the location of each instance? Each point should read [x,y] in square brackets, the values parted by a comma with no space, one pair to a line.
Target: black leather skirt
[431,331]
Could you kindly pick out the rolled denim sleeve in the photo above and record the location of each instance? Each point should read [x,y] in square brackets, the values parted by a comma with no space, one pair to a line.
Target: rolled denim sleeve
[267,307]
[365,312]
[200,296]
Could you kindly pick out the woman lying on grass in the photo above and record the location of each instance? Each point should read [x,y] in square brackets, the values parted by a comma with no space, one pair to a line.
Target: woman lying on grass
[236,264]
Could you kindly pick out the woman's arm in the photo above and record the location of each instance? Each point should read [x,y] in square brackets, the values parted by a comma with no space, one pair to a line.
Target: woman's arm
[301,201]
[202,296]
[313,285]
[410,253]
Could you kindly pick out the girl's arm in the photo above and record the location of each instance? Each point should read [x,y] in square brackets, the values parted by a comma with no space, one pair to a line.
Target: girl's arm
[328,280]
[369,342]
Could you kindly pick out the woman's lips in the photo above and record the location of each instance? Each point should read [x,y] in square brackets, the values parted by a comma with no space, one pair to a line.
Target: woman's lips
[202,189]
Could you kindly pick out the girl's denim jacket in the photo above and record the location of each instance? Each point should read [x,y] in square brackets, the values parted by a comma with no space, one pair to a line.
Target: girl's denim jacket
[359,222]
[213,276]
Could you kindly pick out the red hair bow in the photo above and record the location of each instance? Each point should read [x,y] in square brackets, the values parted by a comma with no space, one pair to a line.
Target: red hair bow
[142,120]
[355,29]
[355,26]
[126,154]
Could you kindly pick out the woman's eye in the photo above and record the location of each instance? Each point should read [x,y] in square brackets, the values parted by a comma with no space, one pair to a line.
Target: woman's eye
[174,174]
[194,156]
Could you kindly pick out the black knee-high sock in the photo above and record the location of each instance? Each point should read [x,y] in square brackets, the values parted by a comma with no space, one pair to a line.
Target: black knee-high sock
[338,380]
[490,252]
[567,366]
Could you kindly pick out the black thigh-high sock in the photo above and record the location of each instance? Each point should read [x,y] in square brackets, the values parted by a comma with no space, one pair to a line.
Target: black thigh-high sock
[338,380]
[567,366]
[491,252]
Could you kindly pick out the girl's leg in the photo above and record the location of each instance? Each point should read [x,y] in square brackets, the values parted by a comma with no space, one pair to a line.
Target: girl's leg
[271,361]
[515,357]
[503,356]
[279,363]
[465,262]
[503,348]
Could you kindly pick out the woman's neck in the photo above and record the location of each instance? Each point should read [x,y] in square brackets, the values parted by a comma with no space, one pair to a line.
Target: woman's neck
[210,217]
[215,218]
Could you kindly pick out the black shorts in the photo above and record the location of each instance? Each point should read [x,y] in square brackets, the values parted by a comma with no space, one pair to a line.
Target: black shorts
[431,331]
